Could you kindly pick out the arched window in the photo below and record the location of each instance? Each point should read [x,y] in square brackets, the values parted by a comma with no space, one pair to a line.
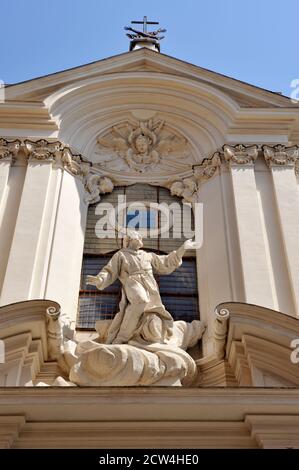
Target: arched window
[178,290]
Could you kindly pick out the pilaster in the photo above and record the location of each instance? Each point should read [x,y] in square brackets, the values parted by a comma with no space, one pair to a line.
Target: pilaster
[21,267]
[281,161]
[256,279]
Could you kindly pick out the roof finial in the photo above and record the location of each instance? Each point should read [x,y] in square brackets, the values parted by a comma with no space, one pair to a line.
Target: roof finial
[144,38]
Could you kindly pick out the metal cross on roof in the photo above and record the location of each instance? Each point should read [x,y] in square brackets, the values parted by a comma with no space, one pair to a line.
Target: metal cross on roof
[145,23]
[144,37]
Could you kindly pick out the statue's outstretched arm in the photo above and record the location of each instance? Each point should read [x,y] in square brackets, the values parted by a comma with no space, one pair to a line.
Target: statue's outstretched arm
[166,264]
[107,275]
[187,245]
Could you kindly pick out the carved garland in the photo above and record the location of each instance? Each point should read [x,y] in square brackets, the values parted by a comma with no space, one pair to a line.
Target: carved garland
[187,188]
[96,183]
[44,151]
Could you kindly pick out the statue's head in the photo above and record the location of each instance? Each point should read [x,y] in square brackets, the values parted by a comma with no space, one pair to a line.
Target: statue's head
[142,144]
[133,240]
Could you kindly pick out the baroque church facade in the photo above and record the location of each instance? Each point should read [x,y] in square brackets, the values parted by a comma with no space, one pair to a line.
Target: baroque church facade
[154,129]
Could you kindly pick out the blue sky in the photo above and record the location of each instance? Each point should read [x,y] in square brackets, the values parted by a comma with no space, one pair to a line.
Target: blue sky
[252,40]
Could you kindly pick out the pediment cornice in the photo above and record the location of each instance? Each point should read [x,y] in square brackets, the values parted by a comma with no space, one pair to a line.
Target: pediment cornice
[150,62]
[72,105]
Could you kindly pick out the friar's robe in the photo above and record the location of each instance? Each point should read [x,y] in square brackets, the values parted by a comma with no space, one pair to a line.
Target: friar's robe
[140,292]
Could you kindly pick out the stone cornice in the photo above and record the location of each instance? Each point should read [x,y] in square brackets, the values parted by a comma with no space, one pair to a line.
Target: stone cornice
[97,182]
[42,150]
[245,348]
[105,400]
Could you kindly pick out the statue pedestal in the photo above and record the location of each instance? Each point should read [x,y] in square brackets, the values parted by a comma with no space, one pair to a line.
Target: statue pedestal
[148,43]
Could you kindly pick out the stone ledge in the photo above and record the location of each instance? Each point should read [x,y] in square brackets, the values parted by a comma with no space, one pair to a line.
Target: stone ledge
[145,403]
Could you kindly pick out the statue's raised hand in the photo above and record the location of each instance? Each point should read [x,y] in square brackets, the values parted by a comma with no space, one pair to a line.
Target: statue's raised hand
[191,245]
[187,245]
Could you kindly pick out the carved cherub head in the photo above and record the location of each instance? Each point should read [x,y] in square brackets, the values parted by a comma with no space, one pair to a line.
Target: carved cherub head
[142,144]
[190,184]
[177,188]
[142,139]
[105,185]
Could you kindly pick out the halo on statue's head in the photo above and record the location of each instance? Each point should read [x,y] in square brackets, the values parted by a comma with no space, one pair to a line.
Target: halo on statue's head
[131,235]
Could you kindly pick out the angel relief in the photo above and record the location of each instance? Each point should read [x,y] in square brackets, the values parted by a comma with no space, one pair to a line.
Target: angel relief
[147,145]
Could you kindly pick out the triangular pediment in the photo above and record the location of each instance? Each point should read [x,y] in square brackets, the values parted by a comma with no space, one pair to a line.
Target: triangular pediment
[144,60]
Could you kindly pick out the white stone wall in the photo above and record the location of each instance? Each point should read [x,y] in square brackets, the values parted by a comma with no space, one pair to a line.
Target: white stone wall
[251,211]
[11,181]
[250,245]
[42,235]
